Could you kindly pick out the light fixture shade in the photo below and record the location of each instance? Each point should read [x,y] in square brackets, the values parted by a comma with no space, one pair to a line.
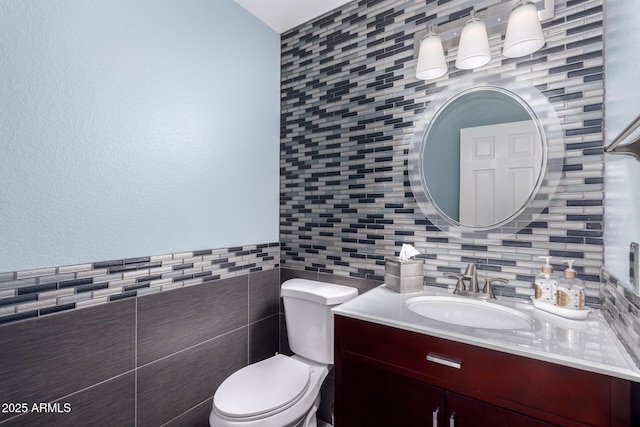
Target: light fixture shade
[524,32]
[473,50]
[431,63]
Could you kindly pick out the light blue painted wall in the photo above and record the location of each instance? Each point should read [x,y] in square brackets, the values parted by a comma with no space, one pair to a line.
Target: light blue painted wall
[622,106]
[132,128]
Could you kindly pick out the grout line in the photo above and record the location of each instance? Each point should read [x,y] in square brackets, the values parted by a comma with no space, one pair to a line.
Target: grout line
[187,411]
[192,347]
[264,318]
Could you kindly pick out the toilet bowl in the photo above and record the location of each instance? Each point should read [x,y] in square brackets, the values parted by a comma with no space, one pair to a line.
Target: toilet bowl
[284,391]
[277,392]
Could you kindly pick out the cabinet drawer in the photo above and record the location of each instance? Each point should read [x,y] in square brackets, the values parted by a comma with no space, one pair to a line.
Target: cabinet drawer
[519,383]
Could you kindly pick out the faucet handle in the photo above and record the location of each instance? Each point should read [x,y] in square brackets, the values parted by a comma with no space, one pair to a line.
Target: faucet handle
[488,289]
[459,284]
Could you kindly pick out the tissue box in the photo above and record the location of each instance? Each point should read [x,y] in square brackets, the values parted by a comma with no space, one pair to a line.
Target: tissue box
[403,276]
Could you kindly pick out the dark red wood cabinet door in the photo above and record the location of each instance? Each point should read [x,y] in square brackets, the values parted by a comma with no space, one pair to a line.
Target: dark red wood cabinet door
[372,397]
[466,412]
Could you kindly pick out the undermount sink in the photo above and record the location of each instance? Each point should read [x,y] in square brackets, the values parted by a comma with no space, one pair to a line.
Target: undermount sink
[462,311]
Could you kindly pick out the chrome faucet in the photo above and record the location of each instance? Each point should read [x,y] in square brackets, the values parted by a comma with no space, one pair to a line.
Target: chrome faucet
[471,274]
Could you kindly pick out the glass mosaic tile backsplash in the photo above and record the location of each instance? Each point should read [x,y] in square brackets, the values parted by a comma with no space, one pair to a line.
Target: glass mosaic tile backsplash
[32,293]
[350,104]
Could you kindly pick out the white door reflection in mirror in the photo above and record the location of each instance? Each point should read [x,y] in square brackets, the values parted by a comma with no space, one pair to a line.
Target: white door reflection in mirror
[499,166]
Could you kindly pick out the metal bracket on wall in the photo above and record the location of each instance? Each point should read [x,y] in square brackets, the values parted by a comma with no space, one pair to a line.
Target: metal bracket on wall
[630,149]
[633,266]
[548,10]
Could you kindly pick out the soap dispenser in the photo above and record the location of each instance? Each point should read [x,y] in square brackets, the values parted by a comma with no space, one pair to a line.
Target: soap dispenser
[546,283]
[570,292]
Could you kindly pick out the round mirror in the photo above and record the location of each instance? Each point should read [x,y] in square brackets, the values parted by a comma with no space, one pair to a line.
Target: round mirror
[482,157]
[481,160]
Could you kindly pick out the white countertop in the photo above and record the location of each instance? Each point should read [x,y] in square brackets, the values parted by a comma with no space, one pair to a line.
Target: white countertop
[588,344]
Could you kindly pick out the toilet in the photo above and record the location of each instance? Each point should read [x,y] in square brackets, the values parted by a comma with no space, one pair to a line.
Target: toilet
[284,391]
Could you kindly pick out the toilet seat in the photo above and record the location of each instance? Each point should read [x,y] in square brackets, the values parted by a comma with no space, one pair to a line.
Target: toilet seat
[260,389]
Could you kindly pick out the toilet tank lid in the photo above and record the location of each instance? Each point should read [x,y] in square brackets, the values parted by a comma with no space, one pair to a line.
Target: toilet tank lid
[319,292]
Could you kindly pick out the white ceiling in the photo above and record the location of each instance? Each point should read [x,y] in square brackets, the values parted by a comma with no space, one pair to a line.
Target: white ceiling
[283,15]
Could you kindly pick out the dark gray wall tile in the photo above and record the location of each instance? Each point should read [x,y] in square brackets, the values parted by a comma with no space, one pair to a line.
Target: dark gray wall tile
[264,294]
[111,403]
[284,338]
[194,417]
[174,320]
[47,358]
[169,387]
[264,338]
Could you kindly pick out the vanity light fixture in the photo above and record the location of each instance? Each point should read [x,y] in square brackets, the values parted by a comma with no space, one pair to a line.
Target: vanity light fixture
[523,37]
[473,50]
[524,31]
[431,63]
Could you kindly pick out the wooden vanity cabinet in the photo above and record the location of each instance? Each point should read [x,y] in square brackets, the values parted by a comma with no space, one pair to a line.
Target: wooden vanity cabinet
[386,376]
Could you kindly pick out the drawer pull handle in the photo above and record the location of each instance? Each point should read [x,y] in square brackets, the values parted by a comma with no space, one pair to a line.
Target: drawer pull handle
[444,361]
[452,420]
[435,417]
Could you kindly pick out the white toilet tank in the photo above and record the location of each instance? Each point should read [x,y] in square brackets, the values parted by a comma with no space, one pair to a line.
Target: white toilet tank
[307,306]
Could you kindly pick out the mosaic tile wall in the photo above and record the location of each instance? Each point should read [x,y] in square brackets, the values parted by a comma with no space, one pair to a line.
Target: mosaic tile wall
[32,293]
[621,308]
[349,105]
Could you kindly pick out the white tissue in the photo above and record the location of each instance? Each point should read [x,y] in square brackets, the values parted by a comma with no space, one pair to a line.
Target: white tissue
[407,252]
